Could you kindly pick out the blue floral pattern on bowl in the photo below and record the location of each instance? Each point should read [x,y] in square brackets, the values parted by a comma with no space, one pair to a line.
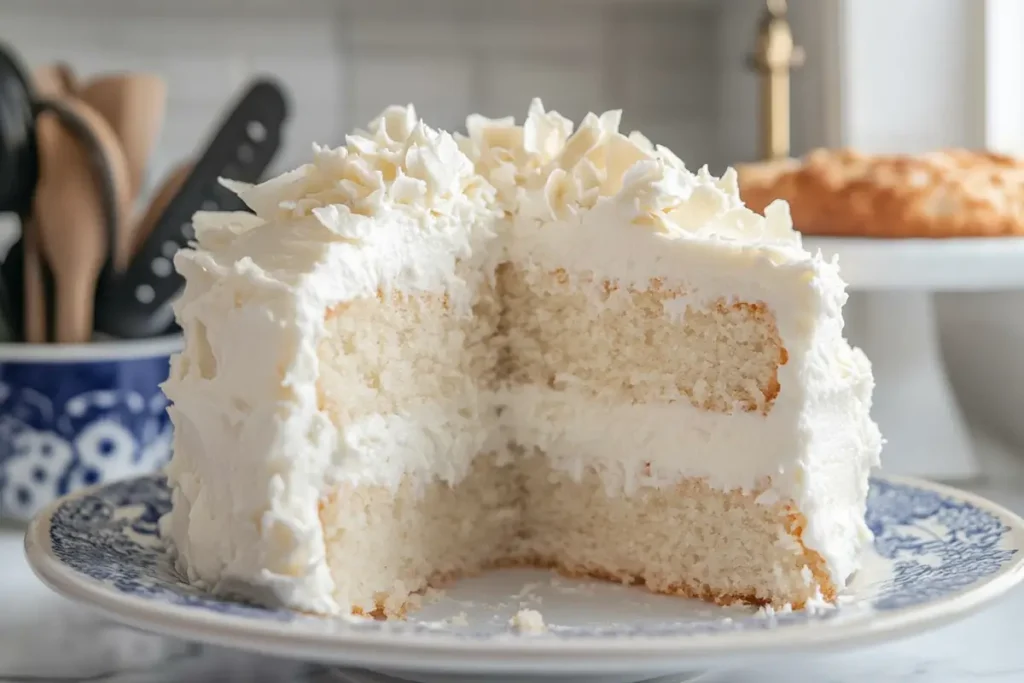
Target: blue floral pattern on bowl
[934,545]
[68,425]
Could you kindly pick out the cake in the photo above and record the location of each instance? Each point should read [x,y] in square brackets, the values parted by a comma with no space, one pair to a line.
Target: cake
[842,193]
[426,355]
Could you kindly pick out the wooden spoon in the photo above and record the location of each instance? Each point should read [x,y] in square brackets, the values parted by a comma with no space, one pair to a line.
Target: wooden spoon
[70,218]
[133,105]
[34,294]
[50,80]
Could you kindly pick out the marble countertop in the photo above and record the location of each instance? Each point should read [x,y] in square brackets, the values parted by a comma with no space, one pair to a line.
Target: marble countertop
[45,637]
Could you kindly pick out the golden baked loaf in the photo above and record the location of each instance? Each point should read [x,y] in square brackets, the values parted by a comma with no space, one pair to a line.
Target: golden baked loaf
[842,193]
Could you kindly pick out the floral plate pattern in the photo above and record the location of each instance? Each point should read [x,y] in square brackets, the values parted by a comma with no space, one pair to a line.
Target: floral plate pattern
[937,553]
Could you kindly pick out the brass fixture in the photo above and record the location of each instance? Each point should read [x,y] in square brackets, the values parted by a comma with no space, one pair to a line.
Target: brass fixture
[773,59]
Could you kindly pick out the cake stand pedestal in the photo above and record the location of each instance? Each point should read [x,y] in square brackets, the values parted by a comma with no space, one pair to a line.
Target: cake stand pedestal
[891,316]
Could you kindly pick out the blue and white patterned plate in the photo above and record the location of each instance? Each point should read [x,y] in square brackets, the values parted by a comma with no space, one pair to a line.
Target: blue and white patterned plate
[938,554]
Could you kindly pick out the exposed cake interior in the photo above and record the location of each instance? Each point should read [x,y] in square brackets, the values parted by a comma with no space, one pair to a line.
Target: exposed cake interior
[424,358]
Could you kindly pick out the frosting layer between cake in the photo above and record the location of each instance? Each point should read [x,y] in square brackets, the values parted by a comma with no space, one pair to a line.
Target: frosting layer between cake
[405,210]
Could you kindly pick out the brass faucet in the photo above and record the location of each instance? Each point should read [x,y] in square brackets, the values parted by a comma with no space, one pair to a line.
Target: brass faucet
[774,57]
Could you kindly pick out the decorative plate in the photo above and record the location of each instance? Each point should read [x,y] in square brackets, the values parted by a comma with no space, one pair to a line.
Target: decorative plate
[938,554]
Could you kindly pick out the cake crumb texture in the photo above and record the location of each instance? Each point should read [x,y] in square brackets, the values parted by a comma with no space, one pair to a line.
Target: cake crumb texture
[385,546]
[528,621]
[653,345]
[690,540]
[512,508]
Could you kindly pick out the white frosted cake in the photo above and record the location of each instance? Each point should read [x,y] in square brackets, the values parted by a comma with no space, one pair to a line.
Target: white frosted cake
[427,355]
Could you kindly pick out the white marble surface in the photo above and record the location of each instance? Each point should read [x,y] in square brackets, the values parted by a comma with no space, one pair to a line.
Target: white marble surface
[44,637]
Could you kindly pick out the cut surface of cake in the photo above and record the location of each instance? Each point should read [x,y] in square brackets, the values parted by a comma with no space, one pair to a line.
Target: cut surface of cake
[427,355]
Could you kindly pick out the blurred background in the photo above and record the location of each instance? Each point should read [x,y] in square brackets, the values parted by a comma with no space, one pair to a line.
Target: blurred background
[677,68]
[879,75]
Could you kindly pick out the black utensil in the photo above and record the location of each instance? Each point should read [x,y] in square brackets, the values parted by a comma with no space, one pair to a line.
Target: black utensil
[19,165]
[136,304]
[12,279]
[19,173]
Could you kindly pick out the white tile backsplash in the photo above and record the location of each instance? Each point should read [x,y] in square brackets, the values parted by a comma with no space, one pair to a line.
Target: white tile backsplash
[195,80]
[655,31]
[343,61]
[441,88]
[570,88]
[551,30]
[684,87]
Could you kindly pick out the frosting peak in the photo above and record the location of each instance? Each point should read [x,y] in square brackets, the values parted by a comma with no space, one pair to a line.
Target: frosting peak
[545,170]
[398,165]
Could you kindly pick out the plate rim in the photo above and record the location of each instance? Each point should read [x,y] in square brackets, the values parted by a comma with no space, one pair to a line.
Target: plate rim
[517,652]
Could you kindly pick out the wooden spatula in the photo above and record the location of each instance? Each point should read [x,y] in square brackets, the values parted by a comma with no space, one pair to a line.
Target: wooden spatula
[133,104]
[53,80]
[82,193]
[165,192]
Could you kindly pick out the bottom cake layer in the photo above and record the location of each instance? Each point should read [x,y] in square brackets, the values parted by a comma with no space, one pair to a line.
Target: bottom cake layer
[689,540]
[384,547]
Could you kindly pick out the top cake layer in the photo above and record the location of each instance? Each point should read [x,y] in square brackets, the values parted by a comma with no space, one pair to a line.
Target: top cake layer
[423,198]
[401,191]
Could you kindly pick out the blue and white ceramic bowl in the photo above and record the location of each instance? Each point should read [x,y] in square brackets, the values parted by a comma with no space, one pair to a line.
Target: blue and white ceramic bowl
[76,415]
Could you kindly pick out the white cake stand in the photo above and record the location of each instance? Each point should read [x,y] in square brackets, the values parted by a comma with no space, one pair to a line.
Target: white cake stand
[891,316]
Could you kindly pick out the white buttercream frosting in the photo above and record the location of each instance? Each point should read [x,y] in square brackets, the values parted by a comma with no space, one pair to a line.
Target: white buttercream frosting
[403,207]
[395,208]
[543,170]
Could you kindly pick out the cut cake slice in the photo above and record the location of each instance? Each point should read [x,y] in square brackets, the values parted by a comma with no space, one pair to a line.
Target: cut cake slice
[426,356]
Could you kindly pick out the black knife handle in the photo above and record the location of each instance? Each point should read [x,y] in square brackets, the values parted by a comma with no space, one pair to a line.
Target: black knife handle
[12,274]
[19,161]
[134,305]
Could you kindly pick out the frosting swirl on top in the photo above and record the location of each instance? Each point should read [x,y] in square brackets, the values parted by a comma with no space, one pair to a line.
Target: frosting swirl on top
[546,171]
[398,165]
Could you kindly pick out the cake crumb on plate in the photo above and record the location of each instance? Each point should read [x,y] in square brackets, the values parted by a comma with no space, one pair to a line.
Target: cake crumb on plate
[529,621]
